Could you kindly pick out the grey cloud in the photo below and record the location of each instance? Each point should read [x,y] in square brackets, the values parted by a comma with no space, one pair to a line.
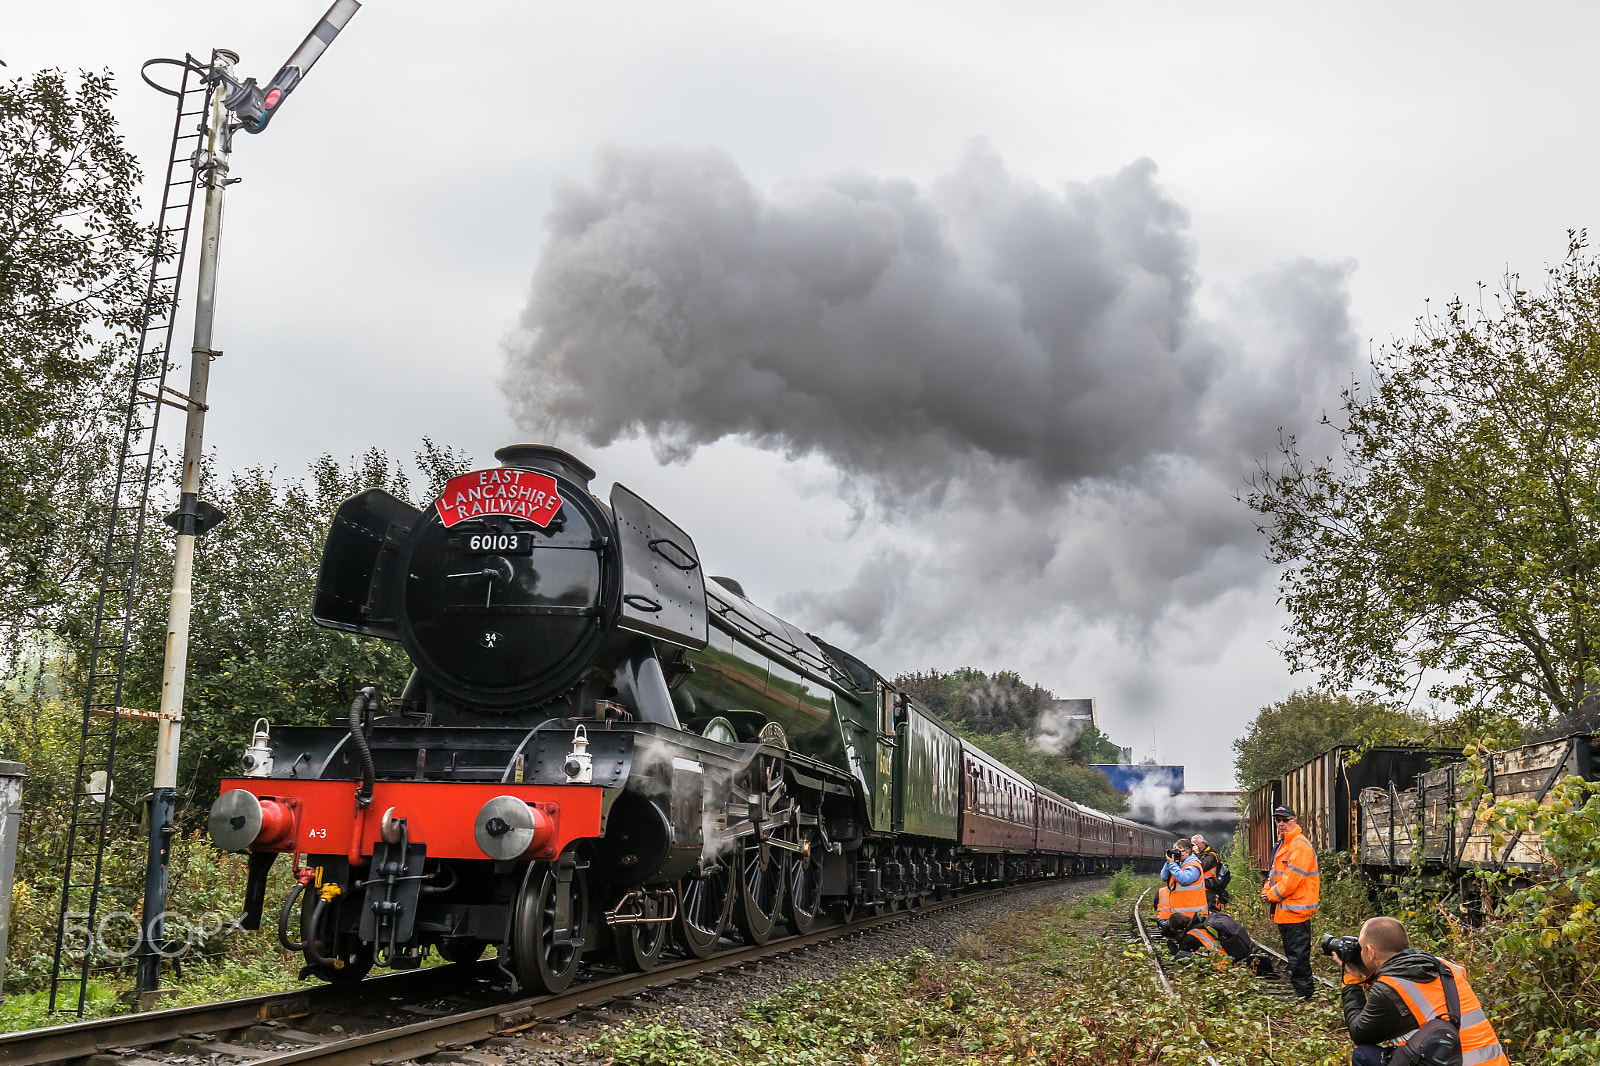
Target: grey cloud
[1035,423]
[893,330]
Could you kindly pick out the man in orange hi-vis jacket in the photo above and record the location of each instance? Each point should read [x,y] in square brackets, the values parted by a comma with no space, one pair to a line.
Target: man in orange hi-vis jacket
[1423,1003]
[1291,893]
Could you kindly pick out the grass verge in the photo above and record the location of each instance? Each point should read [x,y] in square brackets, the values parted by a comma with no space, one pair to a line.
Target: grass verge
[1056,984]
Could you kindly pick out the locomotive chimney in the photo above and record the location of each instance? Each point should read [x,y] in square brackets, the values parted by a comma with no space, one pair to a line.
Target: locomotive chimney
[550,460]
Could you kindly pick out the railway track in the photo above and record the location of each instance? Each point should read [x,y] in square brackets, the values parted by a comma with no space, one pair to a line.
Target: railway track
[1276,985]
[389,1019]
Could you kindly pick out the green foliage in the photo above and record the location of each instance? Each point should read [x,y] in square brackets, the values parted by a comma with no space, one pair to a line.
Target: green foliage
[1000,712]
[983,703]
[1306,724]
[1094,746]
[1001,702]
[1544,945]
[206,886]
[661,1044]
[1531,948]
[254,651]
[71,283]
[1454,537]
[1123,882]
[253,648]
[1053,984]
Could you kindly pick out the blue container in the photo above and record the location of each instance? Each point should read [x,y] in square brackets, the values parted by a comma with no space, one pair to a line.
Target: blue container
[1129,778]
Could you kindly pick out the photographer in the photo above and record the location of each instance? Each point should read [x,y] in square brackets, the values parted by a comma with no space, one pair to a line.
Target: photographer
[1187,881]
[1422,1003]
[1164,902]
[1216,871]
[1216,934]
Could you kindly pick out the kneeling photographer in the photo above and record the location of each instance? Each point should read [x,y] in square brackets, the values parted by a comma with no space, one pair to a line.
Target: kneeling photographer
[1218,935]
[1422,1003]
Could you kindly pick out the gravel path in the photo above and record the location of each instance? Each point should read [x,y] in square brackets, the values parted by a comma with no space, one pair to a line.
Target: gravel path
[707,1005]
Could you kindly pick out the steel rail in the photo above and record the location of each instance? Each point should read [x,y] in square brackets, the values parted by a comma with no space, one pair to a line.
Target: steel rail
[35,1047]
[1138,923]
[59,1042]
[1161,972]
[472,1027]
[1155,958]
[1285,961]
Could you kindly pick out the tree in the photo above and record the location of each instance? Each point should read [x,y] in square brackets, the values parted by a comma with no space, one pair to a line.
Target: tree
[254,650]
[1453,542]
[1000,713]
[1306,724]
[71,286]
[1094,746]
[985,703]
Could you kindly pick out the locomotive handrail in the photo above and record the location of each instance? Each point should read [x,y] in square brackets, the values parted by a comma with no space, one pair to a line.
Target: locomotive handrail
[741,625]
[793,662]
[654,546]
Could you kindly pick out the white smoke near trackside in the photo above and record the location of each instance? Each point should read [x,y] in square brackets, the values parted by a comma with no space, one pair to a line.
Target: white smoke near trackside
[988,701]
[661,772]
[1154,800]
[1057,729]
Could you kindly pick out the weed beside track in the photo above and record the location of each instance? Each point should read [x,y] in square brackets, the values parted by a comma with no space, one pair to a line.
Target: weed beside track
[1055,983]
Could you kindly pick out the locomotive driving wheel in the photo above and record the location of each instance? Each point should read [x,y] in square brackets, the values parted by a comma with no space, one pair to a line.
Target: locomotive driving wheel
[547,926]
[639,944]
[759,891]
[802,900]
[705,906]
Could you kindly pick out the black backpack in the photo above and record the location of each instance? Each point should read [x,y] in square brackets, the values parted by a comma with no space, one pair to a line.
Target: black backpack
[1439,1042]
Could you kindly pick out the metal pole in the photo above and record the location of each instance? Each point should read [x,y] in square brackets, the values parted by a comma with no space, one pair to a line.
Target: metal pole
[11,775]
[213,164]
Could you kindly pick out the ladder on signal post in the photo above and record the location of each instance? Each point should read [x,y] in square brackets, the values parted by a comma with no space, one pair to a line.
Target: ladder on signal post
[90,827]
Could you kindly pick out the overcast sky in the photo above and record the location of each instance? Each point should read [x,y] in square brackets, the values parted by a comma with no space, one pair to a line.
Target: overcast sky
[950,330]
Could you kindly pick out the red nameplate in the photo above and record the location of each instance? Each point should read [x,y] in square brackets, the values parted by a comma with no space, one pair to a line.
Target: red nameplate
[504,490]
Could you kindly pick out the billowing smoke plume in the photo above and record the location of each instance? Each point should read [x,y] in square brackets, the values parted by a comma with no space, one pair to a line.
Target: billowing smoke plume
[1057,728]
[1153,801]
[1037,426]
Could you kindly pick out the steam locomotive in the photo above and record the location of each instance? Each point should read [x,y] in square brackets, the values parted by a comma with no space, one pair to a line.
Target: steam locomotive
[601,754]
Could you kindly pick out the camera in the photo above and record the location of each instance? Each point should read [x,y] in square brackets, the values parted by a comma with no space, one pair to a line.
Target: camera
[1172,853]
[1346,949]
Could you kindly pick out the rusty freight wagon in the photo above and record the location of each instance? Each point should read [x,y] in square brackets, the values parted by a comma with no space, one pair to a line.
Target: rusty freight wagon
[1435,824]
[1323,794]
